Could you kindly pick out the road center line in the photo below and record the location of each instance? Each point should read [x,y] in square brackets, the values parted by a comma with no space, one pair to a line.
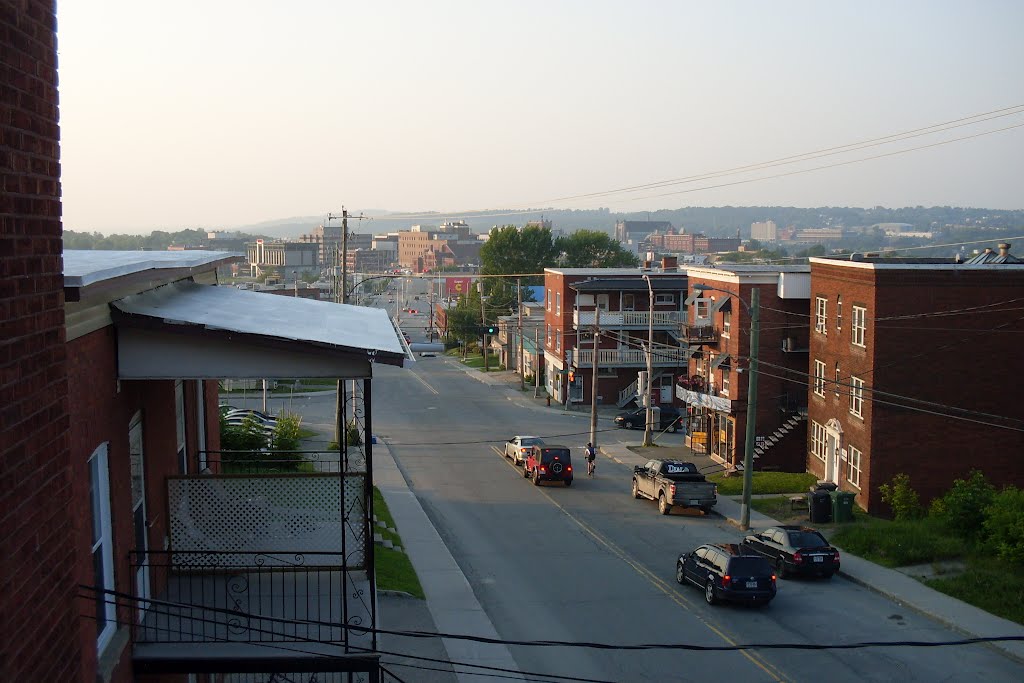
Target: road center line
[654,580]
[425,383]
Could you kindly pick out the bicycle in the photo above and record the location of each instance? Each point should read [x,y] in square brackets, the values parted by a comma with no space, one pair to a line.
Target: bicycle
[590,454]
[590,467]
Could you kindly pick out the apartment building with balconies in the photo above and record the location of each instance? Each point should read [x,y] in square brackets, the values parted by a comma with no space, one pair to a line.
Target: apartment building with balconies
[714,386]
[613,304]
[912,370]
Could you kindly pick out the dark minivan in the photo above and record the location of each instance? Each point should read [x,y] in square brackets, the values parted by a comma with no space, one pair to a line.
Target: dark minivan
[727,572]
[548,463]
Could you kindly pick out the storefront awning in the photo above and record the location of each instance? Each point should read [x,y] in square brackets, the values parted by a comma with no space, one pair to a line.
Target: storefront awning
[720,359]
[702,400]
[187,330]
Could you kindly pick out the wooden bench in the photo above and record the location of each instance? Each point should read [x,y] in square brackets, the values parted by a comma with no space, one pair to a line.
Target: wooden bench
[798,503]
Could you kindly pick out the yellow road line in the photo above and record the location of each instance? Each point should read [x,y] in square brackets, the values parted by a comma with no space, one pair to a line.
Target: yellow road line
[426,384]
[659,583]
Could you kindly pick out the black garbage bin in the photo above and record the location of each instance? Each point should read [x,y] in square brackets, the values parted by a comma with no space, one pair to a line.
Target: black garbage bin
[820,505]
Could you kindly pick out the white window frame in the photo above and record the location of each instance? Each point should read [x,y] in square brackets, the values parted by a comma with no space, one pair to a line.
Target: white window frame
[558,304]
[837,379]
[726,323]
[179,424]
[664,298]
[550,296]
[839,311]
[853,469]
[819,441]
[103,541]
[819,378]
[856,396]
[558,341]
[699,306]
[821,315]
[858,329]
[726,380]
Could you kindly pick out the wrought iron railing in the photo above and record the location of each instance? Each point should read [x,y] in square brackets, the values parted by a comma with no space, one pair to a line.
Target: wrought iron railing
[700,334]
[247,597]
[281,462]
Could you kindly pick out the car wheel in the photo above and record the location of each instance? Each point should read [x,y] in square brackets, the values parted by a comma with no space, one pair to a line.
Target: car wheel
[636,489]
[706,510]
[627,424]
[680,573]
[780,568]
[568,482]
[663,505]
[709,593]
[536,478]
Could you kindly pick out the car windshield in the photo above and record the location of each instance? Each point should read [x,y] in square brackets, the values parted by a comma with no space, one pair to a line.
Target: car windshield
[749,566]
[807,539]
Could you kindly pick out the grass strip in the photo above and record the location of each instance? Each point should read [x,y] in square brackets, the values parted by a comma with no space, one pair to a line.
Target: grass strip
[394,570]
[764,483]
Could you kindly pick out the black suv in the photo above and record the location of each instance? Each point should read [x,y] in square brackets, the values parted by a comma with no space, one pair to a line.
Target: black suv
[669,417]
[795,549]
[726,572]
[548,463]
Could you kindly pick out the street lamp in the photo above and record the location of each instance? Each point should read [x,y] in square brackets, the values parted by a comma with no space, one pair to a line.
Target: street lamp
[753,308]
[650,363]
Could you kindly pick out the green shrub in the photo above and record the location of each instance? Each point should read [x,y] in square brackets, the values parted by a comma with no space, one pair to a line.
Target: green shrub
[250,437]
[1004,524]
[900,543]
[353,436]
[901,497]
[962,508]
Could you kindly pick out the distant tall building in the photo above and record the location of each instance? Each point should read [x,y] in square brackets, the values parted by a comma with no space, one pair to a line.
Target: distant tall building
[542,223]
[765,231]
[626,231]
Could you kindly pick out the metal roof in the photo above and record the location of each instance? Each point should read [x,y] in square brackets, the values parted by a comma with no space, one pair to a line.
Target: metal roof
[83,267]
[339,326]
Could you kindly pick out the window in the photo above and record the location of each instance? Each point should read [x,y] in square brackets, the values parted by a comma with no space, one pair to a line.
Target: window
[819,378]
[664,298]
[102,547]
[853,470]
[628,302]
[860,323]
[837,379]
[558,341]
[820,314]
[725,380]
[558,303]
[819,441]
[703,307]
[549,299]
[839,311]
[856,396]
[726,323]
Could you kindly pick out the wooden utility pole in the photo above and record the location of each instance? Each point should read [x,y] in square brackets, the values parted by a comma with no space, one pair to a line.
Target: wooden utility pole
[536,370]
[593,378]
[483,321]
[519,339]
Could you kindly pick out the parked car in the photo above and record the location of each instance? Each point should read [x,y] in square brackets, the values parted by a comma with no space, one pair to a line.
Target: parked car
[669,417]
[727,572]
[548,463]
[518,447]
[795,550]
[674,483]
[428,354]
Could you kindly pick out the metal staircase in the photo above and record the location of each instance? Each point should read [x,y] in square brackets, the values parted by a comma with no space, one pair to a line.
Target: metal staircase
[775,437]
[630,393]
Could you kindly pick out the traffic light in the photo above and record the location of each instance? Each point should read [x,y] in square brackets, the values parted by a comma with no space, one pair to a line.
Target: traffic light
[489,329]
[572,375]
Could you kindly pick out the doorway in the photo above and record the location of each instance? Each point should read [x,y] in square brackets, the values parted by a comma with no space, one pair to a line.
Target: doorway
[833,442]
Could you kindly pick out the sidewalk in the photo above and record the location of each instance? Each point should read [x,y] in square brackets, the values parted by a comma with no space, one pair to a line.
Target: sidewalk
[902,589]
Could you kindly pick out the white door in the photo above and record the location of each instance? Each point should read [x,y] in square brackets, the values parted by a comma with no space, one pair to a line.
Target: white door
[832,458]
[139,512]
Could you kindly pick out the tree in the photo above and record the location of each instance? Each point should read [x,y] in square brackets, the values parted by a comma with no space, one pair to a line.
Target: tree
[594,249]
[511,251]
[463,322]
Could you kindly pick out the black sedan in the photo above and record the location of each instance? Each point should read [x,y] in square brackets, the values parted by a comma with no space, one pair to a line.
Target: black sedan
[795,550]
[667,417]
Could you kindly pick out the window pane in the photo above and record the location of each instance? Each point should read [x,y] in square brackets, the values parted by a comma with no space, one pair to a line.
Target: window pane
[99,582]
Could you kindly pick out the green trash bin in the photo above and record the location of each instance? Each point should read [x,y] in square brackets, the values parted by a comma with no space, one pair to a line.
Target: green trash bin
[842,506]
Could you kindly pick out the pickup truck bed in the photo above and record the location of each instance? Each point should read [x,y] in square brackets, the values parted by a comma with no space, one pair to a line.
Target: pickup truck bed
[674,483]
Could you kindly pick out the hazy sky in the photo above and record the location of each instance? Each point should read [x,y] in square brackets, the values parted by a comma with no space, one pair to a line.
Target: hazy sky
[216,113]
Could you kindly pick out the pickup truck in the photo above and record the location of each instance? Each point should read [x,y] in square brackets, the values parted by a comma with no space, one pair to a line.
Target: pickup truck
[674,483]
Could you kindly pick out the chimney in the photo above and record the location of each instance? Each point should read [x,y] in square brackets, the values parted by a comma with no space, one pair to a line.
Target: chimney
[1004,249]
[671,263]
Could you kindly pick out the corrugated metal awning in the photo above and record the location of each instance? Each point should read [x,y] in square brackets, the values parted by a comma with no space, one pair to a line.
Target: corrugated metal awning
[193,331]
[723,304]
[720,359]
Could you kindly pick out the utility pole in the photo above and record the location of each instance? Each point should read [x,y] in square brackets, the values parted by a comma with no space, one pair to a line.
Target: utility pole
[519,339]
[536,371]
[593,378]
[650,364]
[344,255]
[748,444]
[483,321]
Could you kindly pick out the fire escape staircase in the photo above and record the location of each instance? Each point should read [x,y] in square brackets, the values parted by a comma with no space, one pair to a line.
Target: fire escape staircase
[791,423]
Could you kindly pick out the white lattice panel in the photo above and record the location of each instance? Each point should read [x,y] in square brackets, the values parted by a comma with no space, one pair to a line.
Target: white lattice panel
[226,518]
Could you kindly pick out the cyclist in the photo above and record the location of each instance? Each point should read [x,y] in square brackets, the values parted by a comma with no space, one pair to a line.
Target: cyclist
[590,454]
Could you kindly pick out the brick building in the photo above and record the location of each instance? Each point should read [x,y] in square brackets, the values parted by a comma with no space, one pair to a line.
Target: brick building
[692,243]
[287,259]
[911,372]
[714,387]
[572,296]
[38,571]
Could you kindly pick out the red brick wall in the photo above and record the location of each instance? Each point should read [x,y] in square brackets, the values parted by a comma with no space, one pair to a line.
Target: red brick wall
[960,361]
[38,614]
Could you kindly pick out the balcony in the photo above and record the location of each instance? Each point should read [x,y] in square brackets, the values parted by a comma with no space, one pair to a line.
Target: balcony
[700,334]
[278,551]
[630,319]
[614,358]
